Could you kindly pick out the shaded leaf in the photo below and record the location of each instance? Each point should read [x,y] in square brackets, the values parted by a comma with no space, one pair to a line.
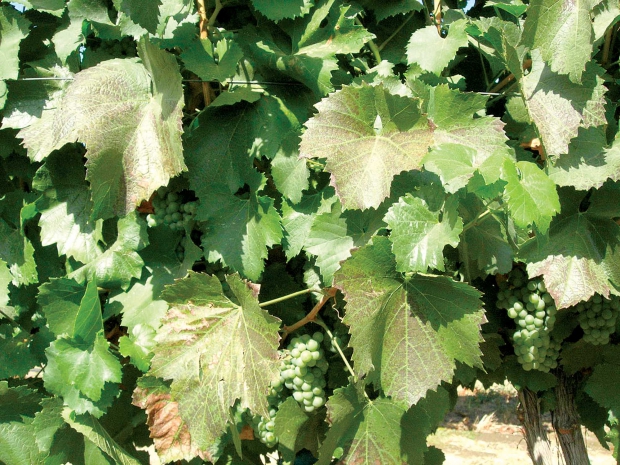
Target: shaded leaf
[283,9]
[13,28]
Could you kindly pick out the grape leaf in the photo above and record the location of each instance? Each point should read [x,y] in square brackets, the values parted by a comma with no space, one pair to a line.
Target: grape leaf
[601,386]
[18,443]
[283,9]
[5,280]
[389,8]
[71,309]
[215,351]
[504,38]
[315,39]
[562,31]
[530,194]
[212,61]
[444,48]
[289,172]
[559,107]
[92,429]
[115,267]
[407,333]
[169,432]
[144,13]
[17,251]
[16,352]
[368,136]
[14,27]
[291,423]
[380,430]
[138,346]
[65,216]
[419,235]
[131,153]
[79,373]
[580,257]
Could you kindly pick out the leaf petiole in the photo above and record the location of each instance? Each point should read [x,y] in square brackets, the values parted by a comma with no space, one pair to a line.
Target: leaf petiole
[319,322]
[286,297]
[477,220]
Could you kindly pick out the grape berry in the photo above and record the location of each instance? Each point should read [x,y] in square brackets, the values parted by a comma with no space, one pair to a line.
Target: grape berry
[169,209]
[597,318]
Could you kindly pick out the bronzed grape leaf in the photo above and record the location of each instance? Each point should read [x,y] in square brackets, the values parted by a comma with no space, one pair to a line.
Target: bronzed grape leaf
[380,430]
[115,267]
[17,251]
[65,214]
[407,332]
[368,136]
[602,386]
[128,114]
[588,163]
[315,39]
[444,48]
[215,351]
[240,231]
[13,28]
[81,373]
[212,61]
[169,432]
[71,309]
[531,196]
[562,31]
[277,11]
[419,235]
[91,429]
[559,107]
[581,256]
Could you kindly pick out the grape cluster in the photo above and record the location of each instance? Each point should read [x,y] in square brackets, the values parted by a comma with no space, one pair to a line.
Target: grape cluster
[126,47]
[532,307]
[169,209]
[597,318]
[264,428]
[304,372]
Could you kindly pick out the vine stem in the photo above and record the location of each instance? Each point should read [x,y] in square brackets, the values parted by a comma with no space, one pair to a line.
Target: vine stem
[328,294]
[398,29]
[371,44]
[607,46]
[204,25]
[286,297]
[477,220]
[337,346]
[437,15]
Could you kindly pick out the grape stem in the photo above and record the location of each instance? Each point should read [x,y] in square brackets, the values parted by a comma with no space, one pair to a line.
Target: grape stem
[476,221]
[337,346]
[328,293]
[286,297]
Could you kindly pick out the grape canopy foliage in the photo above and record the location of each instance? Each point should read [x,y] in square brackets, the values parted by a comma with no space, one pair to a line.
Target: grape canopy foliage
[241,231]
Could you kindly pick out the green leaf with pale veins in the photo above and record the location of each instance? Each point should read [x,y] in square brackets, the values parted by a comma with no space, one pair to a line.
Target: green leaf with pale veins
[13,28]
[215,351]
[79,372]
[368,136]
[443,48]
[580,257]
[277,11]
[380,430]
[115,267]
[406,334]
[562,31]
[71,309]
[531,196]
[65,215]
[559,107]
[419,235]
[128,114]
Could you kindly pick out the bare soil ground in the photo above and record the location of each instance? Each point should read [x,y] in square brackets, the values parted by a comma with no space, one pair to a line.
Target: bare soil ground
[484,429]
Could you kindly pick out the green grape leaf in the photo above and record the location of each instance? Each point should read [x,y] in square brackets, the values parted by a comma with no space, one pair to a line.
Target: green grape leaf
[212,61]
[215,351]
[91,429]
[315,39]
[504,38]
[143,13]
[562,31]
[588,164]
[368,136]
[79,373]
[71,309]
[531,196]
[18,444]
[579,259]
[380,430]
[419,235]
[14,27]
[131,150]
[444,49]
[240,231]
[407,333]
[66,40]
[385,9]
[289,172]
[559,107]
[16,352]
[291,423]
[53,7]
[17,251]
[65,217]
[169,432]
[139,346]
[47,422]
[602,386]
[330,242]
[115,267]
[5,280]
[283,9]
